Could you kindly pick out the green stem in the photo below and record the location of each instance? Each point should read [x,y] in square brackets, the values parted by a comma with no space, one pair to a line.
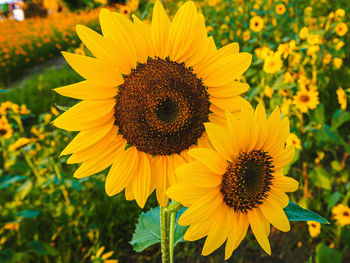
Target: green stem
[164,226]
[32,167]
[172,232]
[167,232]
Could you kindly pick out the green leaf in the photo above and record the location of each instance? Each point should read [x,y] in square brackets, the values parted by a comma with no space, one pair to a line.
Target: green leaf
[339,117]
[295,212]
[147,231]
[24,190]
[321,178]
[43,249]
[28,213]
[335,197]
[9,180]
[325,254]
[345,236]
[319,114]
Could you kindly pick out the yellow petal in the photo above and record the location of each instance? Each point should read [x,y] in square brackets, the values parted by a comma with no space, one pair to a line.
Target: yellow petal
[198,174]
[186,193]
[220,140]
[285,157]
[103,49]
[141,182]
[210,158]
[218,232]
[225,69]
[86,115]
[198,231]
[247,131]
[229,49]
[160,173]
[181,31]
[122,171]
[278,197]
[94,150]
[87,91]
[129,194]
[286,184]
[115,31]
[203,141]
[160,30]
[232,89]
[232,104]
[86,138]
[145,32]
[93,70]
[261,120]
[233,237]
[274,124]
[99,163]
[275,215]
[202,209]
[204,60]
[259,231]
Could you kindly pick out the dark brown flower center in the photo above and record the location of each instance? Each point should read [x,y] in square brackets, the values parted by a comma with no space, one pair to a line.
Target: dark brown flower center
[346,214]
[161,107]
[3,132]
[247,180]
[304,98]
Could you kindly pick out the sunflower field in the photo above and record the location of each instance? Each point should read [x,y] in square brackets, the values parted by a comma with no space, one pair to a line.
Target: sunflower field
[170,131]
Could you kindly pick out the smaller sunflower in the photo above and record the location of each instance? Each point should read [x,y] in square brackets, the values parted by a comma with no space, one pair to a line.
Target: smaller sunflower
[342,98]
[238,182]
[293,140]
[306,99]
[5,128]
[314,228]
[256,24]
[303,33]
[337,63]
[273,63]
[280,9]
[341,214]
[125,10]
[341,29]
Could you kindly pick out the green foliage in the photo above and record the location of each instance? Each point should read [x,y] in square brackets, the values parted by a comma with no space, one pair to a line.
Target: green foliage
[147,231]
[296,213]
[325,254]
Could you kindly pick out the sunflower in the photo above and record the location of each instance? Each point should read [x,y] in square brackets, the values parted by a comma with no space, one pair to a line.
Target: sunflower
[342,98]
[237,183]
[273,63]
[146,97]
[293,140]
[341,214]
[306,99]
[314,228]
[5,128]
[304,32]
[341,29]
[280,9]
[256,24]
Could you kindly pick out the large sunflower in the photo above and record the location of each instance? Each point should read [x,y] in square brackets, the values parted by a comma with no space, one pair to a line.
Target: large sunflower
[237,183]
[146,96]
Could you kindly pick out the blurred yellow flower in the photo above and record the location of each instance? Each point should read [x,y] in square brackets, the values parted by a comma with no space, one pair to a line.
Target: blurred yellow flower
[209,29]
[125,10]
[319,158]
[5,106]
[79,51]
[293,140]
[19,143]
[342,98]
[133,4]
[280,9]
[327,59]
[340,12]
[5,128]
[314,39]
[341,214]
[256,24]
[288,77]
[105,257]
[306,99]
[285,105]
[47,117]
[337,62]
[273,64]
[341,29]
[339,45]
[314,228]
[54,111]
[213,2]
[268,91]
[246,35]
